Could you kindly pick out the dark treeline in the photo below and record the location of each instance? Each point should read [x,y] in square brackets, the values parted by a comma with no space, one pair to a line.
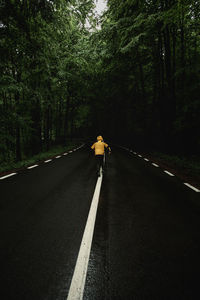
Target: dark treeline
[151,73]
[135,80]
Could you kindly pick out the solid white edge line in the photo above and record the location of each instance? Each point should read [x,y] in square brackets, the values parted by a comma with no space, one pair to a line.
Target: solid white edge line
[6,176]
[31,167]
[155,165]
[170,174]
[78,280]
[192,187]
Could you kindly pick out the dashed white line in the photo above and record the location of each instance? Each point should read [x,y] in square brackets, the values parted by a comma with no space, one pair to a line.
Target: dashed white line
[34,166]
[192,187]
[170,174]
[78,280]
[6,176]
[155,165]
[46,161]
[31,167]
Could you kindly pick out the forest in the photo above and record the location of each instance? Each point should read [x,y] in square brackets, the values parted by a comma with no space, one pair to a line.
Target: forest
[131,75]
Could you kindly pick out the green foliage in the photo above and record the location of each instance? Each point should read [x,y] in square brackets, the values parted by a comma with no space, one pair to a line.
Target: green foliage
[11,165]
[139,73]
[45,61]
[151,68]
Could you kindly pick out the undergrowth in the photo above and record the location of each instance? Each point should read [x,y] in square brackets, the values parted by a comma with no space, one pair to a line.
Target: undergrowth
[191,163]
[6,166]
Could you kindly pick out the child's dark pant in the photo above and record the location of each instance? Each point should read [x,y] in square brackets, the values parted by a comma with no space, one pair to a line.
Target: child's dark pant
[99,162]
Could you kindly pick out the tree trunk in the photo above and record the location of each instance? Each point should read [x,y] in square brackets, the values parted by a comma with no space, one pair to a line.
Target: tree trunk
[18,152]
[66,120]
[47,128]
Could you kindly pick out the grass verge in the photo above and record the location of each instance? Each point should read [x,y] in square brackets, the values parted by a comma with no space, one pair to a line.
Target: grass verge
[13,166]
[186,168]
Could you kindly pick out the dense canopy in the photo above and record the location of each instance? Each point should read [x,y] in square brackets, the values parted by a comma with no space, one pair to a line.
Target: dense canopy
[134,79]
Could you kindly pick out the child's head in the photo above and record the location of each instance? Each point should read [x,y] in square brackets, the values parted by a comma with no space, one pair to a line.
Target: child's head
[99,138]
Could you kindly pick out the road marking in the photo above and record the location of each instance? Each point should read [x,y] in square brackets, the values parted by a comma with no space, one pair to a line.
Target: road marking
[192,187]
[31,167]
[170,174]
[6,176]
[78,280]
[155,165]
[46,161]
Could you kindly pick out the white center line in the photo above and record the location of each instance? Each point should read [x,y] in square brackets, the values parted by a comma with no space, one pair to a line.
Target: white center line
[170,174]
[46,161]
[155,165]
[31,167]
[134,152]
[78,280]
[192,187]
[58,156]
[146,159]
[139,155]
[6,176]
[65,154]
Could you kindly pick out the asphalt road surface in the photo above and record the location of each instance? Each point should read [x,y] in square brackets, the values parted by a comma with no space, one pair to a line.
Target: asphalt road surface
[146,242]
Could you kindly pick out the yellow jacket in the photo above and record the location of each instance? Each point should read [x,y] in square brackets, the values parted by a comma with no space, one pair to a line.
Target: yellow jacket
[99,147]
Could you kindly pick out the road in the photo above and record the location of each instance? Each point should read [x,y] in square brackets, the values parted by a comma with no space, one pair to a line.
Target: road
[146,241]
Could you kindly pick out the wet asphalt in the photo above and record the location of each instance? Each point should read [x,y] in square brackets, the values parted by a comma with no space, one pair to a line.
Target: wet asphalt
[146,240]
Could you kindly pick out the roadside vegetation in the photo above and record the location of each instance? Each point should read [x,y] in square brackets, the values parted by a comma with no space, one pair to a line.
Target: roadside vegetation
[184,167]
[134,78]
[40,157]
